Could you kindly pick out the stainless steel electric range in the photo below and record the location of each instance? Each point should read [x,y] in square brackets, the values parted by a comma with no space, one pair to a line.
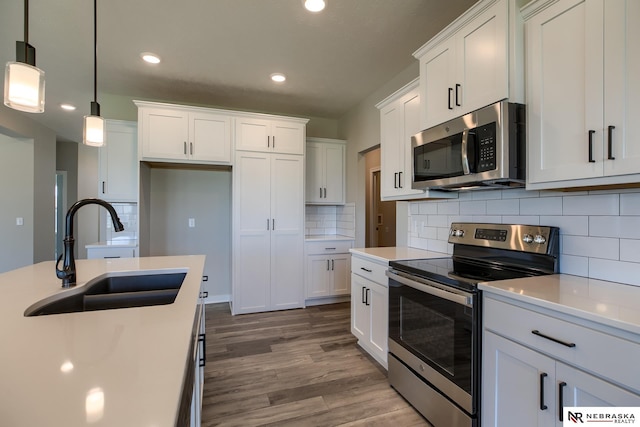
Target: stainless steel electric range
[435,322]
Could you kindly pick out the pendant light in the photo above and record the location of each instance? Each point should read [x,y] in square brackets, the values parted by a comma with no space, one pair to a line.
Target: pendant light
[23,81]
[94,134]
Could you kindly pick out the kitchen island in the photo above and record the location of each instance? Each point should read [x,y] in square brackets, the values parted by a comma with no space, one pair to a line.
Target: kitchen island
[119,367]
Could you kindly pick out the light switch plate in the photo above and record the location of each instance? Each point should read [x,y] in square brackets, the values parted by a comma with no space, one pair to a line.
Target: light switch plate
[192,222]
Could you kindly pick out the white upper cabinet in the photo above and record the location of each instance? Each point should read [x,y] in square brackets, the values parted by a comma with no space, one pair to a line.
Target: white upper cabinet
[119,163]
[184,134]
[326,170]
[467,65]
[583,60]
[267,134]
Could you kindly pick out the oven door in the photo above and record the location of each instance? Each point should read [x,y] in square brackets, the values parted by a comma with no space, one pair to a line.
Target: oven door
[434,329]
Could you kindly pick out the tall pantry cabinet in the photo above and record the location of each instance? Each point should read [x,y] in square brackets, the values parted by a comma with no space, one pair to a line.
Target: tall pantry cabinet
[268,228]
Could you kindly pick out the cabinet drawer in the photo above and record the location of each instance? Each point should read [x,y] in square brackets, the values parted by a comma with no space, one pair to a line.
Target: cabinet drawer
[369,269]
[93,253]
[328,247]
[597,352]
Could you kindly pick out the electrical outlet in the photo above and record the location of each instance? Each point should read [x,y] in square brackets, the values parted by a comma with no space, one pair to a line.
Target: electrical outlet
[192,222]
[19,221]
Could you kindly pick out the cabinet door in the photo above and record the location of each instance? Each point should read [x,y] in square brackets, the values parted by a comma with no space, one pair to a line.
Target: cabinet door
[390,124]
[334,161]
[315,173]
[287,231]
[622,86]
[253,134]
[119,164]
[512,377]
[360,318]
[164,133]
[482,51]
[379,318]
[210,137]
[341,272]
[565,91]
[583,389]
[411,126]
[252,224]
[318,276]
[287,137]
[437,71]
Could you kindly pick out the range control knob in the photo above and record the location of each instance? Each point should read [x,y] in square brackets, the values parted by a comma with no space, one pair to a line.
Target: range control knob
[459,233]
[540,239]
[527,238]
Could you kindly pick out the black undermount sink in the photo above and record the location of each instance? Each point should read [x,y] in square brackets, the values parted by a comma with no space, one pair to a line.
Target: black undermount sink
[111,292]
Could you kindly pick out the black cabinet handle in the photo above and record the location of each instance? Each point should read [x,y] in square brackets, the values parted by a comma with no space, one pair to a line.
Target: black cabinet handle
[191,148]
[185,148]
[457,94]
[610,136]
[363,297]
[366,269]
[395,180]
[564,343]
[543,375]
[273,224]
[332,265]
[202,338]
[591,132]
[327,265]
[449,98]
[367,299]
[399,179]
[104,187]
[273,141]
[325,192]
[561,387]
[268,141]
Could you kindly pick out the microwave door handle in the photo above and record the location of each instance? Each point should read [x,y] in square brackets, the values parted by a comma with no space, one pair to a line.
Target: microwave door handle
[465,158]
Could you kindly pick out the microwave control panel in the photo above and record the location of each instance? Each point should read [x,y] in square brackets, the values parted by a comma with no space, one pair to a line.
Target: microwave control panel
[486,141]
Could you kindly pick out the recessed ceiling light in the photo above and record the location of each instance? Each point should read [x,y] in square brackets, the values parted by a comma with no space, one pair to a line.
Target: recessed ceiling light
[278,77]
[314,5]
[68,107]
[149,57]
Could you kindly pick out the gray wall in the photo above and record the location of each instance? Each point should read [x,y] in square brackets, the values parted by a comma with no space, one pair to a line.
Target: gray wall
[16,188]
[204,195]
[87,220]
[67,160]
[21,125]
[361,128]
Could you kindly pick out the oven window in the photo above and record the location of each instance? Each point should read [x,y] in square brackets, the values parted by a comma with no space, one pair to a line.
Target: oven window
[429,333]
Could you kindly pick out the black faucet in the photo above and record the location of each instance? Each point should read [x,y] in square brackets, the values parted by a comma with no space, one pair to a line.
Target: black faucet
[68,272]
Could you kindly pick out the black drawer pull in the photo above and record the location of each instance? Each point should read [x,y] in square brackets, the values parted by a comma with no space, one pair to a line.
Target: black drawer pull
[366,269]
[543,375]
[561,387]
[591,132]
[610,142]
[564,343]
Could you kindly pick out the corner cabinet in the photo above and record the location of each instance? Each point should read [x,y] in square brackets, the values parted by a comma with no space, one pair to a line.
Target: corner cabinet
[270,135]
[118,160]
[174,133]
[546,361]
[470,64]
[268,231]
[370,306]
[326,171]
[583,60]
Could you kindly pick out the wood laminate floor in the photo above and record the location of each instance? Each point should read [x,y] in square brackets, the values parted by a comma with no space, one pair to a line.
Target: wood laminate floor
[295,368]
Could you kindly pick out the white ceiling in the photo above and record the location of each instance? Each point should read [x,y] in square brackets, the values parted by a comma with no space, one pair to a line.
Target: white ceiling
[221,52]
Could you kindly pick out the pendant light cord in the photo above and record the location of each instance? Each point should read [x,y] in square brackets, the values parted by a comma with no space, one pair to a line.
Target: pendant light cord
[26,30]
[95,51]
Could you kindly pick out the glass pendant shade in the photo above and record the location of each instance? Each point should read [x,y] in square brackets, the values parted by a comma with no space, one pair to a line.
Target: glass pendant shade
[24,87]
[94,134]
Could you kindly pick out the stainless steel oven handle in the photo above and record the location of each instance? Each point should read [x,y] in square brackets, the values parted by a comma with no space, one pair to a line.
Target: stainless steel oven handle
[465,158]
[453,296]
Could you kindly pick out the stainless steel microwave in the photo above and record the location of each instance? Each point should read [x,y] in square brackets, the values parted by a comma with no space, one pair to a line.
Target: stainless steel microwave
[480,150]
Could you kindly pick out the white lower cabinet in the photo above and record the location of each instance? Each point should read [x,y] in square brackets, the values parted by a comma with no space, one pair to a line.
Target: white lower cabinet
[327,268]
[370,309]
[198,365]
[532,383]
[268,232]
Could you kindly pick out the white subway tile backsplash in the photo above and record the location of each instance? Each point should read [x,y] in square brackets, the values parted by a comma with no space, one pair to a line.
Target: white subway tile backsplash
[486,195]
[489,219]
[592,247]
[573,225]
[448,208]
[443,234]
[519,193]
[503,207]
[630,204]
[576,265]
[428,208]
[438,221]
[541,206]
[598,204]
[478,207]
[630,250]
[521,219]
[615,271]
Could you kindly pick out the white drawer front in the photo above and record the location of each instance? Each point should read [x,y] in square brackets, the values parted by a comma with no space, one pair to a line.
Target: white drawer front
[605,355]
[369,269]
[93,253]
[328,247]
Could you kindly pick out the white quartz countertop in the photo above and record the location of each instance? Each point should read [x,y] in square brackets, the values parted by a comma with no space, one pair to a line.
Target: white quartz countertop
[608,303]
[396,253]
[122,367]
[322,237]
[118,243]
